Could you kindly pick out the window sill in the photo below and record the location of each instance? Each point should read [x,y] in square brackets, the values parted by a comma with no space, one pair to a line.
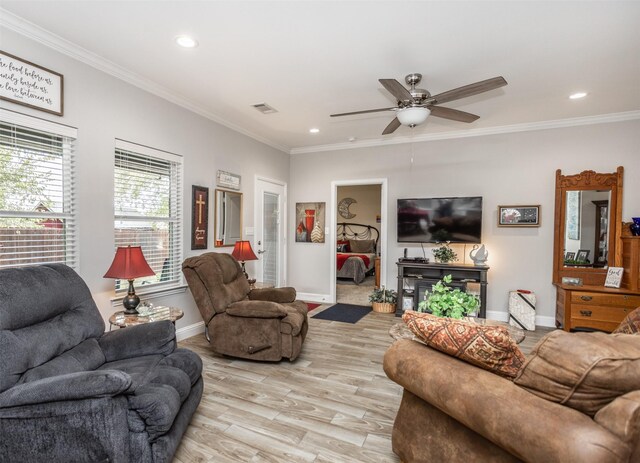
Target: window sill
[116,301]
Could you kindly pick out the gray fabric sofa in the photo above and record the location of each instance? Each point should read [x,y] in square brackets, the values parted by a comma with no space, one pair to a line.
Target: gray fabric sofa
[69,392]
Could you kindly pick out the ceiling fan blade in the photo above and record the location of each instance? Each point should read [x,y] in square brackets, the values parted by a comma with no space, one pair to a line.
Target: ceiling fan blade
[396,89]
[393,125]
[363,112]
[469,90]
[453,114]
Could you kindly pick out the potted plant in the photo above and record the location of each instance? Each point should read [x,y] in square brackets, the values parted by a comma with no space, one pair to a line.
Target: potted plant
[383,300]
[447,302]
[444,254]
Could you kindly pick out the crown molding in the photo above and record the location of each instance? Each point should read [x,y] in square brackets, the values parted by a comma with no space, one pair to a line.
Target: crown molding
[64,46]
[524,127]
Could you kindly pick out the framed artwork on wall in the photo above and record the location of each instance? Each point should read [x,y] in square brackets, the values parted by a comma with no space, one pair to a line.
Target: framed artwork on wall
[310,222]
[199,217]
[518,216]
[573,214]
[31,85]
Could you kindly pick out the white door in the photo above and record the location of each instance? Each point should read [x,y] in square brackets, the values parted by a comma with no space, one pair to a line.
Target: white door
[270,242]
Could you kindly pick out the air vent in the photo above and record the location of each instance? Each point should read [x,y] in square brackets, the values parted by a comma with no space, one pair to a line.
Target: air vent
[264,108]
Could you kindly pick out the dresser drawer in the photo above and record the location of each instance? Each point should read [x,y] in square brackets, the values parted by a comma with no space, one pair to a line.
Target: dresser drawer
[593,312]
[595,324]
[600,299]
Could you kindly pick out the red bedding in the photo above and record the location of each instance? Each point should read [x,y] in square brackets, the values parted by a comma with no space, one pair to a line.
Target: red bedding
[342,258]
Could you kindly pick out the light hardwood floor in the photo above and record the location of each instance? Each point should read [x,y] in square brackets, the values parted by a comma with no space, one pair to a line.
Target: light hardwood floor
[332,404]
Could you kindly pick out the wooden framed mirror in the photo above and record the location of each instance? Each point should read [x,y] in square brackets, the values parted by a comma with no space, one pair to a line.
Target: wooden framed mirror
[588,221]
[228,218]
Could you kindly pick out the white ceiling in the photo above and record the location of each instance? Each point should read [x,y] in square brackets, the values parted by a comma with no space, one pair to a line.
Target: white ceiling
[309,59]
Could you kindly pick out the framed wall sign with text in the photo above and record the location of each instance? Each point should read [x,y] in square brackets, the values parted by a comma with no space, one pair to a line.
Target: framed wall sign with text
[228,180]
[28,84]
[199,217]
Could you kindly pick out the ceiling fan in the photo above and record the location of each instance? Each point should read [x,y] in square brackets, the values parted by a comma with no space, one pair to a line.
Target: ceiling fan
[415,104]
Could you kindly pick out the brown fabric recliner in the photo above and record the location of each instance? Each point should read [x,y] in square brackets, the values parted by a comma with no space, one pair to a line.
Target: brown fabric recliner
[261,324]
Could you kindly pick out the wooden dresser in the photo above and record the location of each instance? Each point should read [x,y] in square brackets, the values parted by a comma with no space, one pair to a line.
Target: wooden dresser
[593,306]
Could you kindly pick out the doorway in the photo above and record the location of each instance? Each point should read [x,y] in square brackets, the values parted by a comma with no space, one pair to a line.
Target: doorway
[362,205]
[270,231]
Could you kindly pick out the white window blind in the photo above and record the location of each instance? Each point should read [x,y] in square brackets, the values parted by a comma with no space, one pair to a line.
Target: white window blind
[148,210]
[37,207]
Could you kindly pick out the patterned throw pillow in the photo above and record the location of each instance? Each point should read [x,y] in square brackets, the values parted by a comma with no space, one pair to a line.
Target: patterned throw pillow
[630,324]
[486,346]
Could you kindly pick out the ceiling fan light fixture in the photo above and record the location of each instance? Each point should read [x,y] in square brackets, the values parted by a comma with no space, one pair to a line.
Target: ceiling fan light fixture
[413,116]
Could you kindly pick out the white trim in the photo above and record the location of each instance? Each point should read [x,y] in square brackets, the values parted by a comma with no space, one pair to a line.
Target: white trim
[480,132]
[51,40]
[147,151]
[36,123]
[334,224]
[116,301]
[313,297]
[541,320]
[190,330]
[285,226]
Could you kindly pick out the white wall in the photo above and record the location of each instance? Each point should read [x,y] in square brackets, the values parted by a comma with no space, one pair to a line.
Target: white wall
[517,168]
[367,206]
[104,108]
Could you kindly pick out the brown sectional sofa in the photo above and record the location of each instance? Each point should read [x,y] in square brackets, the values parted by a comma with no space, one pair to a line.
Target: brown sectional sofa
[452,411]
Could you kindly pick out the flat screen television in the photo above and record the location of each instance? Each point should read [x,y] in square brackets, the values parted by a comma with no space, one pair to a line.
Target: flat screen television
[431,220]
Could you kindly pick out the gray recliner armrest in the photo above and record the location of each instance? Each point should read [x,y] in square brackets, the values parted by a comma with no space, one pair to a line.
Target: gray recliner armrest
[256,309]
[136,341]
[280,295]
[72,386]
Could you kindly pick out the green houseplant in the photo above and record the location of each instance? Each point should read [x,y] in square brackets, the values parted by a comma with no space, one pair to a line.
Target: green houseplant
[447,302]
[383,300]
[444,254]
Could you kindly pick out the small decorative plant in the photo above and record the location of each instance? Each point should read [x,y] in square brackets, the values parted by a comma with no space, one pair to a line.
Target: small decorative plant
[446,302]
[444,253]
[383,300]
[383,295]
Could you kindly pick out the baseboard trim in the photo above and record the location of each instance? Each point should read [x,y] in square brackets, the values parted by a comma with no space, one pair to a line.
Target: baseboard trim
[541,320]
[190,330]
[313,297]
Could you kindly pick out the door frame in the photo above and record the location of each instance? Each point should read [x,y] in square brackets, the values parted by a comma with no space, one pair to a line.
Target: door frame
[383,182]
[283,218]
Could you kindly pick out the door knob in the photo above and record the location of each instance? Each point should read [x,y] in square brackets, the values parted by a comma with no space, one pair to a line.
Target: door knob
[260,251]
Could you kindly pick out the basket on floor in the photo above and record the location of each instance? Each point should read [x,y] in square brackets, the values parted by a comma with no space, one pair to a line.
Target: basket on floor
[384,307]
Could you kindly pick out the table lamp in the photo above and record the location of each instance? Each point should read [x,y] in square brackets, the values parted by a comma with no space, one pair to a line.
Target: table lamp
[128,264]
[242,251]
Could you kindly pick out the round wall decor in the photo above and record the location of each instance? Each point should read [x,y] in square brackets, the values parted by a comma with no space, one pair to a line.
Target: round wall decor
[343,208]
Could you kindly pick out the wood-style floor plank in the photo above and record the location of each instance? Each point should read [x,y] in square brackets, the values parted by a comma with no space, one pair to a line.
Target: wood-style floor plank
[332,404]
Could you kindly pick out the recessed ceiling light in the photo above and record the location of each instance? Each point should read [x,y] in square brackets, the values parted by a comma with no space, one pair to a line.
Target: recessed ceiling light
[577,95]
[314,130]
[186,41]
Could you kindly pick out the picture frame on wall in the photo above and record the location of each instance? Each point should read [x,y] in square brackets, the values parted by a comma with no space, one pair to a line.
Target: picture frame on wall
[310,222]
[519,216]
[28,84]
[574,201]
[199,217]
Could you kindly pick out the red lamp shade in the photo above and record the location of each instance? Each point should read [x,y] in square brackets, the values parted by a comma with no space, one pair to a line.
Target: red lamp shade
[242,251]
[128,264]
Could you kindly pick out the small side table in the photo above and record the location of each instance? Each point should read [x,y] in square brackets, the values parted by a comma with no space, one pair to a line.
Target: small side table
[123,320]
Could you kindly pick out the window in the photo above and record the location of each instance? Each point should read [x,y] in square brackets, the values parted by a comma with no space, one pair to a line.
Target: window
[37,216]
[148,210]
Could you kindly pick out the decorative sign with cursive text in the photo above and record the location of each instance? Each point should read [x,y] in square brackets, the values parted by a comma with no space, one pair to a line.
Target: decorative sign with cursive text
[30,85]
[228,180]
[614,277]
[200,217]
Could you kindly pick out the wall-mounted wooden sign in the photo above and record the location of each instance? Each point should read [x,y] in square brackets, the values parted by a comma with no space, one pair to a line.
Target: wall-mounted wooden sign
[228,180]
[28,84]
[199,217]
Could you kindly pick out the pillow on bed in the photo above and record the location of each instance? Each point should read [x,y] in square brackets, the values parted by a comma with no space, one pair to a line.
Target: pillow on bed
[343,246]
[366,246]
